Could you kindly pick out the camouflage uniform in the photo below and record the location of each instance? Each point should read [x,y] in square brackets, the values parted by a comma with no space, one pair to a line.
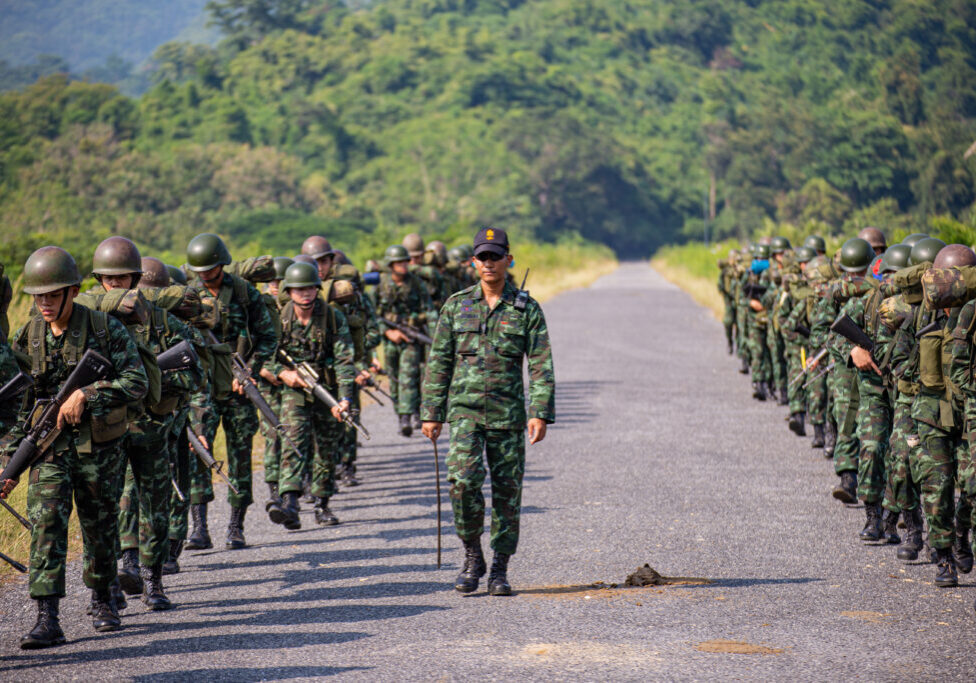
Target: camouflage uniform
[75,466]
[961,374]
[407,303]
[8,370]
[726,275]
[474,381]
[327,346]
[755,326]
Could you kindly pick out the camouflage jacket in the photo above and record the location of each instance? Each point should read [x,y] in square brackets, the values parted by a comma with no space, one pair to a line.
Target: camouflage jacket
[325,343]
[8,370]
[246,327]
[961,367]
[437,287]
[407,302]
[474,370]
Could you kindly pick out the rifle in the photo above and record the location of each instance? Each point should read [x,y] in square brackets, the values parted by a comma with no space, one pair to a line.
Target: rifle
[206,457]
[753,290]
[371,383]
[848,329]
[412,333]
[803,331]
[15,387]
[310,379]
[931,327]
[91,368]
[178,357]
[13,563]
[820,374]
[243,376]
[820,354]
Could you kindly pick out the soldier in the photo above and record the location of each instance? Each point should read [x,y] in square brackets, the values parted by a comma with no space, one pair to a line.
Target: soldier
[819,274]
[84,460]
[437,286]
[317,333]
[474,382]
[436,255]
[756,319]
[817,243]
[402,298]
[796,335]
[741,310]
[6,295]
[781,265]
[245,327]
[875,238]
[8,370]
[726,277]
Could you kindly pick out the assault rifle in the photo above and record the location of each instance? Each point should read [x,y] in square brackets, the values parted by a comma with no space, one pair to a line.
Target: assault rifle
[819,375]
[848,329]
[206,457]
[931,327]
[15,387]
[178,357]
[243,376]
[91,368]
[310,379]
[412,333]
[753,290]
[13,563]
[820,354]
[371,383]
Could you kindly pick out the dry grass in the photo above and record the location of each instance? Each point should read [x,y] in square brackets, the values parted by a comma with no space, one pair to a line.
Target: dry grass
[553,282]
[699,288]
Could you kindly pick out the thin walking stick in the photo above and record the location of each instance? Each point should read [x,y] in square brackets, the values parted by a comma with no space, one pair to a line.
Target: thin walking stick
[437,473]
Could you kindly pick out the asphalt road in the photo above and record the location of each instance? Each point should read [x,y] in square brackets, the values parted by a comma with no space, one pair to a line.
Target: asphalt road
[659,456]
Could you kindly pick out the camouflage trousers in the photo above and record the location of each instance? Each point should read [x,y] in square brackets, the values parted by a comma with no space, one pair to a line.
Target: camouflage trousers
[874,422]
[272,444]
[504,450]
[761,362]
[183,458]
[240,421]
[403,365]
[777,356]
[933,466]
[728,320]
[316,433]
[795,391]
[346,450]
[742,348]
[92,479]
[816,394]
[843,388]
[145,490]
[966,472]
[201,478]
[901,491]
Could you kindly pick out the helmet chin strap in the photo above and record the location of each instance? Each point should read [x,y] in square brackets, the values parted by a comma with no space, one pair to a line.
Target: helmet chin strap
[64,302]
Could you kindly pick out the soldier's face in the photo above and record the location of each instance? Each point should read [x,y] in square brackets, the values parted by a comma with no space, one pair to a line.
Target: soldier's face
[324,264]
[212,275]
[400,267]
[417,260]
[303,296]
[110,282]
[274,287]
[492,271]
[55,306]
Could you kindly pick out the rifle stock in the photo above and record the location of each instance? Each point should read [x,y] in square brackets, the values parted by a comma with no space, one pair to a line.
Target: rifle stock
[16,387]
[848,329]
[206,457]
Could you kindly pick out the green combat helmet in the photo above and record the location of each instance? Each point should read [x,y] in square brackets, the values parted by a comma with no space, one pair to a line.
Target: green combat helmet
[414,244]
[300,275]
[955,256]
[895,258]
[154,273]
[914,238]
[455,254]
[815,242]
[281,264]
[304,258]
[438,251]
[117,256]
[925,250]
[874,237]
[49,269]
[394,253]
[317,246]
[341,258]
[177,275]
[206,252]
[761,252]
[804,254]
[856,255]
[779,245]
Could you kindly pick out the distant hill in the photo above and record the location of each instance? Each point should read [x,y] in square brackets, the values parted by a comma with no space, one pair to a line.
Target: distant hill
[85,33]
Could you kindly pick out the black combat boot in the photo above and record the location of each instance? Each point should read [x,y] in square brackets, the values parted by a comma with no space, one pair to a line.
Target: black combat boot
[759,391]
[323,515]
[129,577]
[818,436]
[846,490]
[797,423]
[290,509]
[235,529]
[405,427]
[872,525]
[172,565]
[200,538]
[105,618]
[728,343]
[349,475]
[830,440]
[744,367]
[152,593]
[473,569]
[307,495]
[911,544]
[47,629]
[784,398]
[946,576]
[118,596]
[418,424]
[273,506]
[889,522]
[498,576]
[962,551]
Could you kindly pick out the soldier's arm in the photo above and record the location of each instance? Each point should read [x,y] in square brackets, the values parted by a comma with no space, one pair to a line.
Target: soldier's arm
[130,382]
[542,378]
[343,354]
[184,380]
[440,369]
[960,368]
[264,341]
[8,370]
[428,313]
[840,346]
[373,336]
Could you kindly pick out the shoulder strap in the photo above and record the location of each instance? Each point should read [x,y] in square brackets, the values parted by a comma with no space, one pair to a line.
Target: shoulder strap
[160,323]
[99,323]
[37,349]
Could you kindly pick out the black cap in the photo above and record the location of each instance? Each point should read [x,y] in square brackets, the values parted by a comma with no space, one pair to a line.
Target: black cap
[491,239]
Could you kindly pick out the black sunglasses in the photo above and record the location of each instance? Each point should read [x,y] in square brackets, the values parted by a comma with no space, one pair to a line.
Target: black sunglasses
[489,256]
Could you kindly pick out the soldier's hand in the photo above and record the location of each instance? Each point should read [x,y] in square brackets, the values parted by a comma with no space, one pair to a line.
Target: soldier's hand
[338,410]
[812,365]
[72,409]
[291,378]
[396,336]
[537,430]
[863,360]
[363,378]
[8,486]
[237,387]
[756,306]
[269,376]
[432,430]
